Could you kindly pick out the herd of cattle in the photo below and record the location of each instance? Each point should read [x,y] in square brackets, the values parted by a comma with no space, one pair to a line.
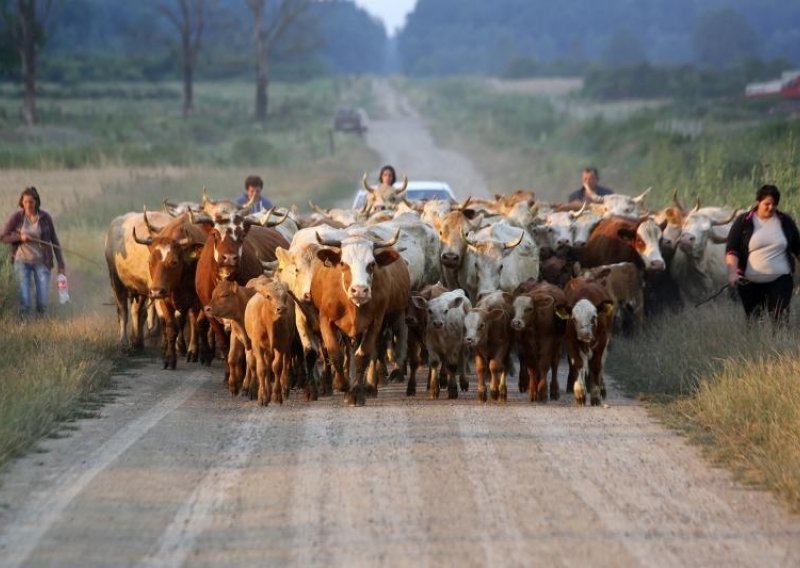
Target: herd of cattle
[309,300]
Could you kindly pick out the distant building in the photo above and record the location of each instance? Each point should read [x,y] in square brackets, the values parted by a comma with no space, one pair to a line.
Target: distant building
[788,87]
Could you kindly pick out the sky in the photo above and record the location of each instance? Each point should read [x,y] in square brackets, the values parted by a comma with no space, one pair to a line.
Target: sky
[392,12]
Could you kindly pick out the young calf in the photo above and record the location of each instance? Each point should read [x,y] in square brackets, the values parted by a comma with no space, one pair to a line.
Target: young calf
[444,340]
[228,302]
[270,324]
[486,332]
[539,324]
[417,322]
[588,334]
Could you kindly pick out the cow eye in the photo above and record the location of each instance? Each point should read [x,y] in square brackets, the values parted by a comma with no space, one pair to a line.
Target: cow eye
[370,267]
[529,309]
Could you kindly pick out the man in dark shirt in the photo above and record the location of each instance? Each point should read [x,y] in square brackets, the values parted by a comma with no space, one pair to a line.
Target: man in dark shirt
[590,190]
[253,186]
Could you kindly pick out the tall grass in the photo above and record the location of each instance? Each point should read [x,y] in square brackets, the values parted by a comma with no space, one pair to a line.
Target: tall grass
[729,383]
[521,140]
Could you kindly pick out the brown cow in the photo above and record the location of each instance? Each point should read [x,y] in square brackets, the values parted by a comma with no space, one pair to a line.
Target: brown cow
[357,286]
[486,331]
[587,337]
[618,239]
[270,324]
[624,282]
[234,250]
[228,302]
[174,251]
[539,324]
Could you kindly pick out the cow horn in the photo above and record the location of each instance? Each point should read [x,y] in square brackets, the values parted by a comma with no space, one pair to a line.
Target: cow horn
[249,205]
[317,208]
[511,244]
[150,227]
[146,242]
[726,221]
[328,242]
[390,242]
[266,222]
[579,212]
[677,203]
[190,213]
[405,184]
[696,206]
[169,207]
[365,184]
[206,199]
[641,196]
[464,205]
[470,243]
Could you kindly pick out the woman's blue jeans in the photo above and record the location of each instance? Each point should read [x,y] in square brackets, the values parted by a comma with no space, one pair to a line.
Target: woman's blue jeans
[40,275]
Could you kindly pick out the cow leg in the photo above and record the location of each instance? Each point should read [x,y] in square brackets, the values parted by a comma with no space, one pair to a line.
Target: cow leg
[137,313]
[235,362]
[414,362]
[435,366]
[462,372]
[205,352]
[335,356]
[451,370]
[181,348]
[555,393]
[541,379]
[524,373]
[480,372]
[276,369]
[401,349]
[263,370]
[495,371]
[579,390]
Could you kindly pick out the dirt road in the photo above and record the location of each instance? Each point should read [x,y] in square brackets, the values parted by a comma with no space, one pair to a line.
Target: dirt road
[176,472]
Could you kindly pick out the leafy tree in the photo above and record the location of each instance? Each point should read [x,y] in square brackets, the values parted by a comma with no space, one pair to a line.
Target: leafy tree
[723,37]
[24,22]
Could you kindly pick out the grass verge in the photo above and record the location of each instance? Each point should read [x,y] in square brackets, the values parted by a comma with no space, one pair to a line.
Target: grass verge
[729,385]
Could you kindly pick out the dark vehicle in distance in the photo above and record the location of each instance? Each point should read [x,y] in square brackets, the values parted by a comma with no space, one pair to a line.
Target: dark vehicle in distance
[348,119]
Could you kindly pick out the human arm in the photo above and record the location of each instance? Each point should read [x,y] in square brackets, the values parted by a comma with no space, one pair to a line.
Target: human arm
[732,251]
[11,233]
[56,245]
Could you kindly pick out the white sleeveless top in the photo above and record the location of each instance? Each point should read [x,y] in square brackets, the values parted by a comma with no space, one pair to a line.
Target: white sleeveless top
[767,259]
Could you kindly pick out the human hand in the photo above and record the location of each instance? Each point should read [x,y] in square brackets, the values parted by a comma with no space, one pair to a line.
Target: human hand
[23,237]
[733,279]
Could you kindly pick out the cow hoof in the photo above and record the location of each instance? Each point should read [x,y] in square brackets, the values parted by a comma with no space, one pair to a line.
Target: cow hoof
[503,395]
[371,391]
[580,400]
[555,394]
[482,395]
[452,392]
[397,376]
[494,394]
[355,398]
[523,387]
[411,390]
[603,392]
[595,401]
[464,384]
[434,394]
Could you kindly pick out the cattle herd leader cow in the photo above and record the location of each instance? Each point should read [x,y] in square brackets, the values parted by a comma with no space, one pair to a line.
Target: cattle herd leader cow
[347,300]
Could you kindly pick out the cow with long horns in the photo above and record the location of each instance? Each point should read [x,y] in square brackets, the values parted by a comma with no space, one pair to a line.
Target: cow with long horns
[358,285]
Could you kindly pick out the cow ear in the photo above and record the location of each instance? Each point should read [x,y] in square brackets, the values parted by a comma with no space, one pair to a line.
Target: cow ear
[329,257]
[419,302]
[195,250]
[562,312]
[386,257]
[627,234]
[282,255]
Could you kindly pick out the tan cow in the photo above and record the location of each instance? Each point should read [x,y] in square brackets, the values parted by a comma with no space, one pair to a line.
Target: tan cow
[269,321]
[228,302]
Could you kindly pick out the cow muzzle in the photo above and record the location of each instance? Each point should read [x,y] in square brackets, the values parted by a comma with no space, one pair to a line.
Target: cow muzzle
[517,324]
[158,293]
[450,259]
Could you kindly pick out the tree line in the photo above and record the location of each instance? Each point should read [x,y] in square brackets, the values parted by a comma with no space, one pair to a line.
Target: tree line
[542,37]
[76,40]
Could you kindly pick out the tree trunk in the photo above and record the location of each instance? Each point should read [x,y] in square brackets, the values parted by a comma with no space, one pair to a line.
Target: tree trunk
[27,52]
[261,62]
[188,84]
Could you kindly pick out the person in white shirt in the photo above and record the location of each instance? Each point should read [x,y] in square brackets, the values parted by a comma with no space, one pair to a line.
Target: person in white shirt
[760,254]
